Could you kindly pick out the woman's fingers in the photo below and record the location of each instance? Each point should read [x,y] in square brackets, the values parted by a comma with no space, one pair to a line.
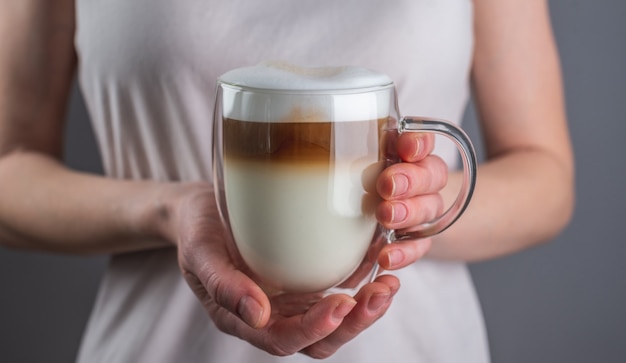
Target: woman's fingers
[414,146]
[294,334]
[405,180]
[411,212]
[373,300]
[408,146]
[288,335]
[403,253]
[232,290]
[324,328]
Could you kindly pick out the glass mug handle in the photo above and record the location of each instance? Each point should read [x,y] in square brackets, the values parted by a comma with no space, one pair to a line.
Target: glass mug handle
[468,157]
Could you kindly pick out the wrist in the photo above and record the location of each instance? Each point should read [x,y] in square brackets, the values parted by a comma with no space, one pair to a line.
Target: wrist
[160,216]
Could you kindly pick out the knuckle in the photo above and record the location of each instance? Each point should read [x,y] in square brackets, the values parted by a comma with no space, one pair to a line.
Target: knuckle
[278,349]
[217,289]
[429,209]
[196,286]
[314,333]
[303,340]
[436,173]
[441,171]
[355,329]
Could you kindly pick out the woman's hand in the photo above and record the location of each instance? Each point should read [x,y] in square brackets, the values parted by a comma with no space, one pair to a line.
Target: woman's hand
[239,307]
[410,192]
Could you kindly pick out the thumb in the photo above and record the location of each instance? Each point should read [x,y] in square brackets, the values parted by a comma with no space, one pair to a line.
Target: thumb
[208,268]
[218,284]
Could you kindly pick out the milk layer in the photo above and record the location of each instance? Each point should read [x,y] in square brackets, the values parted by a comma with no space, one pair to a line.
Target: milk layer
[300,228]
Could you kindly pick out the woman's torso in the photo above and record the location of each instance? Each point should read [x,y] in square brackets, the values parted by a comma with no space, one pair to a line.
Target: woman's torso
[148,71]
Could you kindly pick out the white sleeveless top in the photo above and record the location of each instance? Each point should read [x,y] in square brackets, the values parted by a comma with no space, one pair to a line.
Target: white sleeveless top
[148,71]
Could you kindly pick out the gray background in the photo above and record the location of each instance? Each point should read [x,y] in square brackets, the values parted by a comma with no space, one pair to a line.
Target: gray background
[562,302]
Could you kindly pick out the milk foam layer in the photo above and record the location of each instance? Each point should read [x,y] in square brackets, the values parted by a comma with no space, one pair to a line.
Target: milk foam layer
[280,92]
[288,77]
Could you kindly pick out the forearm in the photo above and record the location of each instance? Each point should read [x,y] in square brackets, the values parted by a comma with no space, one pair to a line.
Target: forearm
[525,191]
[45,206]
[522,198]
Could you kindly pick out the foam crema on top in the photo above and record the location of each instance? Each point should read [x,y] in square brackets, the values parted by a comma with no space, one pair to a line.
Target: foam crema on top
[282,92]
[277,75]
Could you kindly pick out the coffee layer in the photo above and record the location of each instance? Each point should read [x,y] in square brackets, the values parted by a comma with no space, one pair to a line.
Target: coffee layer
[301,142]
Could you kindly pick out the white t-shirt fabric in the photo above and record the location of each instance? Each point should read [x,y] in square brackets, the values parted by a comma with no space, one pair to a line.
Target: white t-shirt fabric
[148,70]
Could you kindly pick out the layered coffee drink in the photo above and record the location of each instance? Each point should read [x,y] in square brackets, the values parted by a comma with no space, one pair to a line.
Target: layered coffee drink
[299,174]
[301,198]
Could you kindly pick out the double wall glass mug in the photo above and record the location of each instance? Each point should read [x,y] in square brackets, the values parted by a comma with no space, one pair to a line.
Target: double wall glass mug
[296,155]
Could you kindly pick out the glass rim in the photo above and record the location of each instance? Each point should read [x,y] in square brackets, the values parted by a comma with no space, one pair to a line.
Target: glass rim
[310,92]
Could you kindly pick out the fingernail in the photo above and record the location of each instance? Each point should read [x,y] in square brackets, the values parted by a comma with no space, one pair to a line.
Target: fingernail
[400,184]
[395,257]
[343,309]
[250,311]
[377,301]
[418,148]
[399,212]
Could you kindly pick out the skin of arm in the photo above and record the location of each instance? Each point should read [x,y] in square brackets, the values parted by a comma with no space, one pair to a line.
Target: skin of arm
[525,190]
[37,63]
